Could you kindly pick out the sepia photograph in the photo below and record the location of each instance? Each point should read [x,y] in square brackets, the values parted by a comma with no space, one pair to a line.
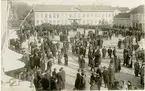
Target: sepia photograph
[72,45]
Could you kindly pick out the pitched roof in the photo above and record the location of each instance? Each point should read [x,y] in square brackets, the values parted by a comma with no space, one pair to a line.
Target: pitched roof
[43,8]
[122,15]
[122,9]
[139,9]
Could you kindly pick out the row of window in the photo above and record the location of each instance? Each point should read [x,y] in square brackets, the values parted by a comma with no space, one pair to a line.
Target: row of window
[54,15]
[69,22]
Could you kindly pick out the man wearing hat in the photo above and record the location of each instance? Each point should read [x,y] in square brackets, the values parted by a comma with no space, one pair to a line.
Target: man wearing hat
[106,76]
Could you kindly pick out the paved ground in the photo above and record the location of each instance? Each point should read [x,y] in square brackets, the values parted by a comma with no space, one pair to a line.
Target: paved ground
[71,70]
[126,74]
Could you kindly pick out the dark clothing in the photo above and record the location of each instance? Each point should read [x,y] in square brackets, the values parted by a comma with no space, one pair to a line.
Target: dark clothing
[45,83]
[82,83]
[114,52]
[59,81]
[110,53]
[53,85]
[77,82]
[49,65]
[106,77]
[104,52]
[37,61]
[82,63]
[136,68]
[66,59]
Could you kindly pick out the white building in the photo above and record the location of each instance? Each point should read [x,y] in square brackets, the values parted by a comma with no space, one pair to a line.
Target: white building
[122,20]
[64,14]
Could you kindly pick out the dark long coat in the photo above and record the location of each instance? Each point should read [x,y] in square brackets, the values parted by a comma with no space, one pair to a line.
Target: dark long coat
[59,81]
[106,76]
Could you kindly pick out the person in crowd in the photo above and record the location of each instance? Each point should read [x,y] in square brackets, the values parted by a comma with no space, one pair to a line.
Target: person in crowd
[111,71]
[142,74]
[54,73]
[110,52]
[32,61]
[53,83]
[136,68]
[104,52]
[49,64]
[129,84]
[114,52]
[81,62]
[82,82]
[116,63]
[62,72]
[37,60]
[66,59]
[119,64]
[106,76]
[97,59]
[45,82]
[94,86]
[77,82]
[59,58]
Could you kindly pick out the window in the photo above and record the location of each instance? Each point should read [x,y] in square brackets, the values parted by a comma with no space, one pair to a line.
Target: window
[83,15]
[37,21]
[53,21]
[41,21]
[96,21]
[65,15]
[49,15]
[65,21]
[58,22]
[70,15]
[37,15]
[87,15]
[57,16]
[41,15]
[50,22]
[53,15]
[45,15]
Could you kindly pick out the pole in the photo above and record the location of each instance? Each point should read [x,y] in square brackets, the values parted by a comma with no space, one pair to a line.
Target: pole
[27,15]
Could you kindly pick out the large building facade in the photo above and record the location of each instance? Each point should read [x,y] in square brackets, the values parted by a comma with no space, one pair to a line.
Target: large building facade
[82,14]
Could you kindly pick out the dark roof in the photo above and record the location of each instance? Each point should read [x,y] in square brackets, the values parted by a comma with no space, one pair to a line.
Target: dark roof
[43,8]
[122,9]
[139,9]
[122,15]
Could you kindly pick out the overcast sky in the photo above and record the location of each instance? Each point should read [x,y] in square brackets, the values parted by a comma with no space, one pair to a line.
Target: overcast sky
[121,3]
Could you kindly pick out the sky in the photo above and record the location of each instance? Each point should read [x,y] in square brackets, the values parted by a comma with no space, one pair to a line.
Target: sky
[120,3]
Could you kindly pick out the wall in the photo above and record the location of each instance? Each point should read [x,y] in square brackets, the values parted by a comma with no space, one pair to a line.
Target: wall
[62,18]
[122,21]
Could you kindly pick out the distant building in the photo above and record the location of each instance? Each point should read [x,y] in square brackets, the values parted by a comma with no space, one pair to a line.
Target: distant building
[122,9]
[137,16]
[122,20]
[82,14]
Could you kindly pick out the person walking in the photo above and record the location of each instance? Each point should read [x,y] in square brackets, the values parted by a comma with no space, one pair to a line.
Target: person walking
[110,52]
[104,52]
[136,68]
[106,76]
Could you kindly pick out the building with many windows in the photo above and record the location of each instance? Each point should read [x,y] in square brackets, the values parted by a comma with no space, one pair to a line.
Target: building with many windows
[122,20]
[135,18]
[82,14]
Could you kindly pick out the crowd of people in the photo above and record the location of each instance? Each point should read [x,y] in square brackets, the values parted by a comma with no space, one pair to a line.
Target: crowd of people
[42,54]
